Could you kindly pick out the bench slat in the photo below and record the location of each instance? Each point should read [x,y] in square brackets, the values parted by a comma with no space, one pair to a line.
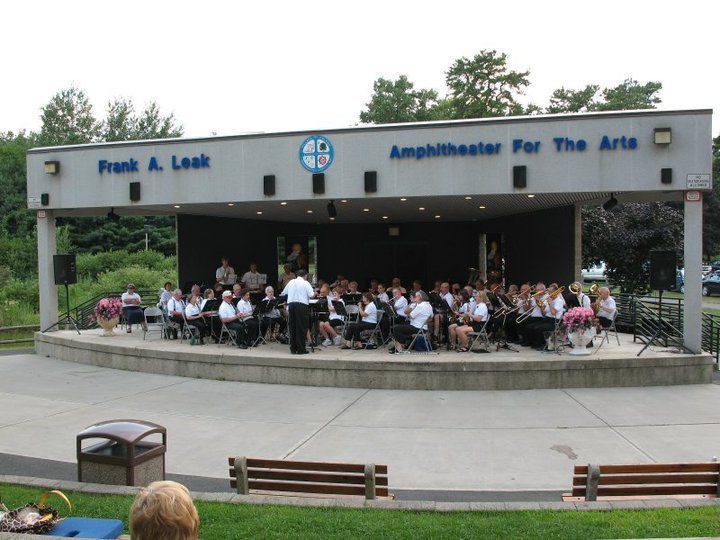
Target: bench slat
[648,490]
[308,465]
[265,474]
[652,467]
[330,489]
[661,478]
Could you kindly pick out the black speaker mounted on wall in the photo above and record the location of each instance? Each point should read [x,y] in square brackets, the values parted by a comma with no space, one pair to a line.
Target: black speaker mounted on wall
[134,191]
[666,176]
[662,270]
[269,184]
[520,176]
[45,199]
[370,181]
[64,269]
[318,183]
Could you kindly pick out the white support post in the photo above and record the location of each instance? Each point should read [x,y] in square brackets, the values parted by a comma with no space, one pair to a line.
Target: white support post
[578,243]
[46,277]
[692,324]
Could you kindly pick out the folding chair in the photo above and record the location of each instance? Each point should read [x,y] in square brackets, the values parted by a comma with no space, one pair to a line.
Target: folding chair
[424,334]
[376,331]
[231,335]
[478,337]
[353,313]
[611,328]
[169,326]
[189,331]
[154,322]
[553,342]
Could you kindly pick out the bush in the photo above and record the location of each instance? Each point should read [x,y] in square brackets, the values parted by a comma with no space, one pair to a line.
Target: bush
[22,292]
[92,265]
[116,280]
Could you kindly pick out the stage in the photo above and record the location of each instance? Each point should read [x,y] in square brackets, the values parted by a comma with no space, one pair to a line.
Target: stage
[610,366]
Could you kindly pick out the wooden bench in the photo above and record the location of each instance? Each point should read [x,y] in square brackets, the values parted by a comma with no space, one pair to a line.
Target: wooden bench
[654,480]
[302,477]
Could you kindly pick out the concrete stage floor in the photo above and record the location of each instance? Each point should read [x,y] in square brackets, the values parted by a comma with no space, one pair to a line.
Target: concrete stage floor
[611,365]
[431,440]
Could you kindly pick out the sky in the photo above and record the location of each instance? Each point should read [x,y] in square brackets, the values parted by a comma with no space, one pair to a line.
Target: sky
[235,67]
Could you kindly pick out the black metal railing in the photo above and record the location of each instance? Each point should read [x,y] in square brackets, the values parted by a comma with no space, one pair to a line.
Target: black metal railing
[82,313]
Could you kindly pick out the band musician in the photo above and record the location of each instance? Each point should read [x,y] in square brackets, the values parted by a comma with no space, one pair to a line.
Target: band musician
[606,308]
[225,275]
[298,292]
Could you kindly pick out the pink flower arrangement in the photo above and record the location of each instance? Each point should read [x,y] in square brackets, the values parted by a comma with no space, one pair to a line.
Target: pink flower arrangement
[577,319]
[107,308]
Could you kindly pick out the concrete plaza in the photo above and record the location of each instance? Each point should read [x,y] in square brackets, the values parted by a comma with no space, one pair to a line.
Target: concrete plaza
[526,440]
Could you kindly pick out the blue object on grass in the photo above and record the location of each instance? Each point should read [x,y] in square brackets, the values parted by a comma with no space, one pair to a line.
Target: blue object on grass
[77,527]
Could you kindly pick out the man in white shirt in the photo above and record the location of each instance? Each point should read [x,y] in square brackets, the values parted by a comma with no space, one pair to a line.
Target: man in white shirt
[175,310]
[607,309]
[399,303]
[245,309]
[418,314]
[298,292]
[226,273]
[552,316]
[251,280]
[230,317]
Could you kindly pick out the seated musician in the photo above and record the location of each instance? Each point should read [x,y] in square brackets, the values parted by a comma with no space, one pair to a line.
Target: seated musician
[286,276]
[382,293]
[455,289]
[440,317]
[194,317]
[352,288]
[338,281]
[398,302]
[553,309]
[273,319]
[327,328]
[477,320]
[245,309]
[418,314]
[373,287]
[209,295]
[230,317]
[479,286]
[510,327]
[397,285]
[368,314]
[195,289]
[131,310]
[607,310]
[175,309]
[225,275]
[436,288]
[577,297]
[416,286]
[533,305]
[521,302]
[237,291]
[461,316]
[165,295]
[251,280]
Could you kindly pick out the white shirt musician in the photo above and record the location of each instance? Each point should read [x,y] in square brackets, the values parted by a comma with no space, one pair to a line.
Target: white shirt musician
[418,314]
[252,279]
[226,273]
[399,303]
[607,310]
[381,294]
[328,328]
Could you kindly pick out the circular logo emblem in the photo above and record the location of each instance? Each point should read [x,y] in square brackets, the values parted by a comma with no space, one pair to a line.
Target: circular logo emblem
[316,153]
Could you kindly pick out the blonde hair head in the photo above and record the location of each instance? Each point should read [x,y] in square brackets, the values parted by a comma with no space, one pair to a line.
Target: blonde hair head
[164,511]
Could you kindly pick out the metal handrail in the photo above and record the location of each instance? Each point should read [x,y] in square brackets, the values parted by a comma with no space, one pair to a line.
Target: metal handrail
[84,310]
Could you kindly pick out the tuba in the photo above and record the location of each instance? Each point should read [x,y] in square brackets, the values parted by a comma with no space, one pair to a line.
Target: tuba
[473,276]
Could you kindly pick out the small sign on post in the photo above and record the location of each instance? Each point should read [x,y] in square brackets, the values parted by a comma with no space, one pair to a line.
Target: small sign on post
[693,196]
[33,202]
[699,181]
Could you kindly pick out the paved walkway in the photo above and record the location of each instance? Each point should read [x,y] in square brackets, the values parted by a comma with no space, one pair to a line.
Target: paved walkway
[496,440]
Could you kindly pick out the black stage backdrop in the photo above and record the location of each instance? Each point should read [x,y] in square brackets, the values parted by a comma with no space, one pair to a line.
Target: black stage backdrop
[538,245]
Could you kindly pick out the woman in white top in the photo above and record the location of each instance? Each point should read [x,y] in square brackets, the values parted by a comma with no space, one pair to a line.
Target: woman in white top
[368,313]
[327,328]
[462,315]
[194,317]
[477,320]
[245,309]
[131,310]
[418,314]
[273,319]
[381,294]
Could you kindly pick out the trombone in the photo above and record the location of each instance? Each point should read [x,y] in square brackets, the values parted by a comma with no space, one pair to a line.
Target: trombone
[538,301]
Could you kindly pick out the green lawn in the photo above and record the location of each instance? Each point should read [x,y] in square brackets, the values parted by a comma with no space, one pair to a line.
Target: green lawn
[218,520]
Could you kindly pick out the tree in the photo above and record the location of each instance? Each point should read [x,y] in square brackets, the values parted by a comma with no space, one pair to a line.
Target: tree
[122,124]
[398,101]
[564,100]
[711,208]
[68,119]
[629,95]
[484,86]
[624,238]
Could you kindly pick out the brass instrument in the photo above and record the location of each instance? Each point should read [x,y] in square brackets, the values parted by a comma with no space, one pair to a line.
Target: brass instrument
[557,291]
[538,301]
[473,276]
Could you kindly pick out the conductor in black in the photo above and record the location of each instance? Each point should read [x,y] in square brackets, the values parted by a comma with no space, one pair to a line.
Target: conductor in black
[299,292]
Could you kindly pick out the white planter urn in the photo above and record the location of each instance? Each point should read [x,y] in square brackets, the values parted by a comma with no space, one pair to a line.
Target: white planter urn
[107,326]
[579,340]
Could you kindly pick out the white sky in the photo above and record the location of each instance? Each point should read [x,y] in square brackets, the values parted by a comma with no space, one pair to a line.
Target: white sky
[233,67]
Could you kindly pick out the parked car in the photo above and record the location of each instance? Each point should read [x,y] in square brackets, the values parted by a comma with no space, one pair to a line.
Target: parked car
[706,269]
[595,273]
[711,284]
[715,265]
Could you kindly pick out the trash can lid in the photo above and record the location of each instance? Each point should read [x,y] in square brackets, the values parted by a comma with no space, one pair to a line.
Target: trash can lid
[124,431]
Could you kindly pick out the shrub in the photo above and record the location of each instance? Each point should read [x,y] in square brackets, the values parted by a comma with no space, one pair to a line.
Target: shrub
[21,292]
[92,265]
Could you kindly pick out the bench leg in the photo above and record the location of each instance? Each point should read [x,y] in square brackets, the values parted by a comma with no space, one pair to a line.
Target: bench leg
[241,474]
[593,480]
[369,481]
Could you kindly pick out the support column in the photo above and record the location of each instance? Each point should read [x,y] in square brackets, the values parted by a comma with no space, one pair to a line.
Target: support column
[577,261]
[692,330]
[46,279]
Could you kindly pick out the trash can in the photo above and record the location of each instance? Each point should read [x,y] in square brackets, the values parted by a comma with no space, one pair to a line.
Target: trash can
[124,458]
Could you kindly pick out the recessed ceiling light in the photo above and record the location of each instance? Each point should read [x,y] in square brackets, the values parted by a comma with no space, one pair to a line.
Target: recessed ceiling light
[366,209]
[176,206]
[332,219]
[343,200]
[259,213]
[283,203]
[309,211]
[531,196]
[437,217]
[403,199]
[231,204]
[481,207]
[385,217]
[421,208]
[468,198]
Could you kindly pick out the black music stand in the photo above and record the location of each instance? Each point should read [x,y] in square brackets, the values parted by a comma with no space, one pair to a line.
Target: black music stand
[352,298]
[315,308]
[260,312]
[66,318]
